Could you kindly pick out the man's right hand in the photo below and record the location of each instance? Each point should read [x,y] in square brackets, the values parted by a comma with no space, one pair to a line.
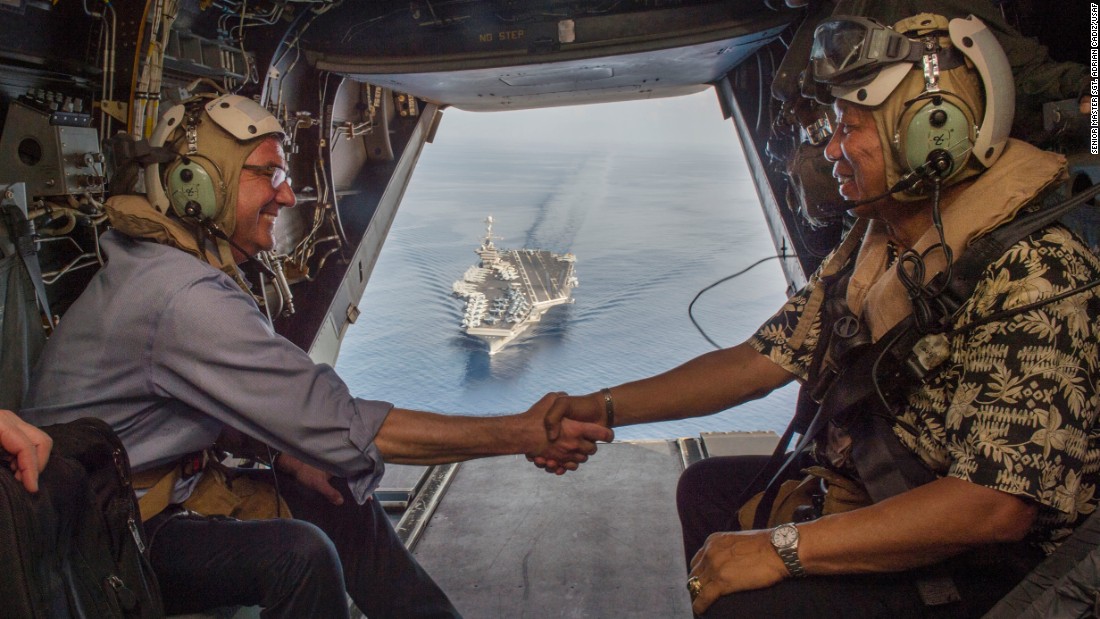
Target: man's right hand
[562,418]
[310,477]
[29,447]
[421,438]
[573,441]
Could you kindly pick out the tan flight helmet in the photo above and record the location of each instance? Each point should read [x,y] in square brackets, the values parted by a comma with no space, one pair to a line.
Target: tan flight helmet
[213,137]
[940,91]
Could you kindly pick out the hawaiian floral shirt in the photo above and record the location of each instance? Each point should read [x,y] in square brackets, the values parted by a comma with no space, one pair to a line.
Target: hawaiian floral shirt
[1015,406]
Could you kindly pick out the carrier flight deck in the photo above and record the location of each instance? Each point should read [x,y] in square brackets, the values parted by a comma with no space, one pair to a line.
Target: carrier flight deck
[509,289]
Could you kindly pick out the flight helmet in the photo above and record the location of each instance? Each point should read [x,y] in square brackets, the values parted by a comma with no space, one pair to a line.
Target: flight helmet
[212,136]
[941,92]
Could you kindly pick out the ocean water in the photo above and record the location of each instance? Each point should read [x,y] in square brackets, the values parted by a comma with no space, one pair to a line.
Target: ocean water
[650,227]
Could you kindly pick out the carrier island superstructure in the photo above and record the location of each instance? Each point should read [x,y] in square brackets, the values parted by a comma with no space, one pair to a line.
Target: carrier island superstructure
[509,289]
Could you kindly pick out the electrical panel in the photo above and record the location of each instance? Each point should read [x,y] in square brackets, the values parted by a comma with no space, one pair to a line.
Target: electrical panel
[54,152]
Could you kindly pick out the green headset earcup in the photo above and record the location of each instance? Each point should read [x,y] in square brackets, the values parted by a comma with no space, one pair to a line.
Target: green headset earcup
[935,124]
[191,190]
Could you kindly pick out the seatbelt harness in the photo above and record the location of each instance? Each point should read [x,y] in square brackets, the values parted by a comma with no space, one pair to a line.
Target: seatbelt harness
[899,361]
[851,397]
[23,234]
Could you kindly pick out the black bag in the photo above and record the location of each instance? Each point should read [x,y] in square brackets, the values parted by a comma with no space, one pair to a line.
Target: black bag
[76,548]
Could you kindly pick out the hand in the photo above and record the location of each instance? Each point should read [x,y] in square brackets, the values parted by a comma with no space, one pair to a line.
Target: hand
[589,408]
[573,442]
[29,446]
[562,409]
[736,561]
[310,477]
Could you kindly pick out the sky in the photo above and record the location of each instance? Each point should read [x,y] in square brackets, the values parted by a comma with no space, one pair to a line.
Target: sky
[692,119]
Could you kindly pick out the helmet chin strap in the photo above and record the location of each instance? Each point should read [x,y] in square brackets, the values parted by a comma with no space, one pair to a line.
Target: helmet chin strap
[194,211]
[274,270]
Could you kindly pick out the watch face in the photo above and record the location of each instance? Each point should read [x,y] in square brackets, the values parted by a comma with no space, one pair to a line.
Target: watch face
[785,535]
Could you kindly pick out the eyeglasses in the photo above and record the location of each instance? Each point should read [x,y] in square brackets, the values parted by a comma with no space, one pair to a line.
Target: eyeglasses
[278,175]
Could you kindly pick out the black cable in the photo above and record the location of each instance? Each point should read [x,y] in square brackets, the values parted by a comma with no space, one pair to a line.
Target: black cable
[937,221]
[874,370]
[923,295]
[215,230]
[691,305]
[275,478]
[928,309]
[1023,308]
[998,316]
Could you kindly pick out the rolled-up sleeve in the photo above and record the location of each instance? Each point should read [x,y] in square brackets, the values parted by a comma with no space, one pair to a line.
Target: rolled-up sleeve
[773,338]
[364,427]
[216,352]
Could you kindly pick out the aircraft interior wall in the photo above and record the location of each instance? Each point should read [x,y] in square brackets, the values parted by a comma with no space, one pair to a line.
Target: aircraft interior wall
[74,74]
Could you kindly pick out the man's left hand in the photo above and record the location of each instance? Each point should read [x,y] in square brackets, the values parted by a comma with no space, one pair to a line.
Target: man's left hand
[736,561]
[310,477]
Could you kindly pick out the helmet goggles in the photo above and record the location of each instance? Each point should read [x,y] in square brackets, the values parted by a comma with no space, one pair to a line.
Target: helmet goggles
[851,50]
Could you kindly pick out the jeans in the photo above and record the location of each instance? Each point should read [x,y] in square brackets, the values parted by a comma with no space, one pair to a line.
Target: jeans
[295,568]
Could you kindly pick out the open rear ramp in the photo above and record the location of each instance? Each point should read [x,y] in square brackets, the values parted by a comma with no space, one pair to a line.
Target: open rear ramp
[510,541]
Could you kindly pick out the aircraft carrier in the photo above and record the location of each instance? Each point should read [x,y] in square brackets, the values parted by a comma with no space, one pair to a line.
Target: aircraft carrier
[510,289]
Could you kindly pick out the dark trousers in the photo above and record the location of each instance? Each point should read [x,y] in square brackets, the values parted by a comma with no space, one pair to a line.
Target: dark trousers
[707,499]
[295,568]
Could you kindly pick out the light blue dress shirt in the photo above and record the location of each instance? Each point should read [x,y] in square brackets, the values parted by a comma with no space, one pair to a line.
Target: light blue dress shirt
[168,350]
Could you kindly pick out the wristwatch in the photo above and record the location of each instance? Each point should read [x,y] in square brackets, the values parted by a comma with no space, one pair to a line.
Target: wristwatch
[785,540]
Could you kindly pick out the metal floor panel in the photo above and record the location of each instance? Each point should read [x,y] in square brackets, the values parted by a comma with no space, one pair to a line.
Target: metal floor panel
[510,541]
[399,484]
[758,443]
[402,478]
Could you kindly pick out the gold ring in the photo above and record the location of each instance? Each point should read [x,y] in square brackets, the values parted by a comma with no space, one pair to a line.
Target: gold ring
[695,586]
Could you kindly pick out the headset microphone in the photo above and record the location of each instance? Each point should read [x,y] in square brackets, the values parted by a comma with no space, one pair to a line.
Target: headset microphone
[936,165]
[194,210]
[834,209]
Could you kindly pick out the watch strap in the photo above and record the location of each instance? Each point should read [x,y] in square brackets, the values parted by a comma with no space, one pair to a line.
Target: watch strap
[788,553]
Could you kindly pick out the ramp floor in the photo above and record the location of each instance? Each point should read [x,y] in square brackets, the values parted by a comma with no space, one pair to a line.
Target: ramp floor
[510,541]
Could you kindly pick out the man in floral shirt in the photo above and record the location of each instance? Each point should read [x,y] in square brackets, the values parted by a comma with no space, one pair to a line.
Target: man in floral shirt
[1006,422]
[1014,407]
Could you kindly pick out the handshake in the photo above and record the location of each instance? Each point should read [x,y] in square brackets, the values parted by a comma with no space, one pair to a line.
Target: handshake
[571,426]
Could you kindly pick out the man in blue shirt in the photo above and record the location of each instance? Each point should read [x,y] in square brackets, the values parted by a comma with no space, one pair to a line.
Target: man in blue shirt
[168,346]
